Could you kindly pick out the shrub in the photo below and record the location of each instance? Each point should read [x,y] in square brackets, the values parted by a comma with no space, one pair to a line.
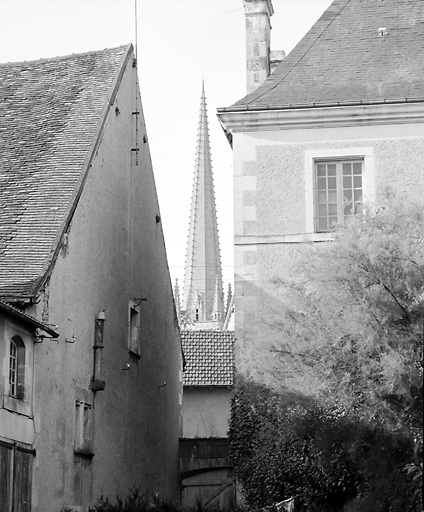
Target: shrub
[329,458]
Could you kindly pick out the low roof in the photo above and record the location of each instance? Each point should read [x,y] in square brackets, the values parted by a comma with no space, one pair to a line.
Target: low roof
[359,51]
[51,113]
[26,319]
[209,356]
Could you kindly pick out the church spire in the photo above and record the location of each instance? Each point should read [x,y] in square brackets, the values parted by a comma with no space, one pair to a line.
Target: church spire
[203,274]
[177,299]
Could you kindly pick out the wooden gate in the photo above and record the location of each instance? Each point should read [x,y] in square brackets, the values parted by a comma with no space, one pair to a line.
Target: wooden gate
[213,486]
[205,473]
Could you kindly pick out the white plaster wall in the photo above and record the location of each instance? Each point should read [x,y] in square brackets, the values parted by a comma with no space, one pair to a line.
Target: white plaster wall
[16,416]
[114,254]
[206,412]
[271,209]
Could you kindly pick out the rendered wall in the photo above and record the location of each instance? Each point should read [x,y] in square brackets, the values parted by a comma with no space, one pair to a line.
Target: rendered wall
[114,253]
[16,421]
[206,412]
[272,204]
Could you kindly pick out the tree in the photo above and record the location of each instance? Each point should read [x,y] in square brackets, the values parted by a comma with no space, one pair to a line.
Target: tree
[354,313]
[352,320]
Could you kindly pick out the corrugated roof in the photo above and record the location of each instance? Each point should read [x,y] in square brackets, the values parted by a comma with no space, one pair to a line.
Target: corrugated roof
[50,114]
[209,356]
[359,51]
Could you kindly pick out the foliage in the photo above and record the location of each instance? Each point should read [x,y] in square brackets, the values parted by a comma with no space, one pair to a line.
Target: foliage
[137,501]
[354,313]
[327,458]
[352,323]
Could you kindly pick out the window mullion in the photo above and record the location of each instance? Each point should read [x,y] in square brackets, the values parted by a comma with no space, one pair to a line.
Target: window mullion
[340,216]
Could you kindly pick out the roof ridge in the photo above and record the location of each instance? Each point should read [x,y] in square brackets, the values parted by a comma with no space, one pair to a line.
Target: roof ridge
[64,57]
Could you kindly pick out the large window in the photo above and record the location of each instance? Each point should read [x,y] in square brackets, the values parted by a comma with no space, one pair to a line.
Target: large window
[338,182]
[338,192]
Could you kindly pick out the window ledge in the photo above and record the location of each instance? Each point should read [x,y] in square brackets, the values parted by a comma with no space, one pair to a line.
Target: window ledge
[134,352]
[86,454]
[13,404]
[283,239]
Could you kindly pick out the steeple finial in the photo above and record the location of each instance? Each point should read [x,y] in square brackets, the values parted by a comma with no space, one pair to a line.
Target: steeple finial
[203,271]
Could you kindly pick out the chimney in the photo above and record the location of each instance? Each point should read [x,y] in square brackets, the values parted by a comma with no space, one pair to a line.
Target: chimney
[258,35]
[277,56]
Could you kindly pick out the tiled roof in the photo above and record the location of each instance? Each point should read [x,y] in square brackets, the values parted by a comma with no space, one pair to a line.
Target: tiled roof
[346,57]
[50,114]
[27,319]
[209,356]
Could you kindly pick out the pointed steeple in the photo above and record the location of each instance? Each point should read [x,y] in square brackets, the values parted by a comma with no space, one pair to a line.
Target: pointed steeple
[203,273]
[177,298]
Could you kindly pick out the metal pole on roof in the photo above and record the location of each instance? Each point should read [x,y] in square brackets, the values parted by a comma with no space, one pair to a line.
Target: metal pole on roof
[135,16]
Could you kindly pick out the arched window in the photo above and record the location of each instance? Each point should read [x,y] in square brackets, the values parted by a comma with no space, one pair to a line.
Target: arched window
[17,368]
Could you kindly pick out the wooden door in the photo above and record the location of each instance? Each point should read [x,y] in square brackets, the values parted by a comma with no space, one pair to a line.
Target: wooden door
[22,484]
[6,461]
[15,478]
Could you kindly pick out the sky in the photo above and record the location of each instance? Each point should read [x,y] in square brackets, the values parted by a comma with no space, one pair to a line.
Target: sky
[179,44]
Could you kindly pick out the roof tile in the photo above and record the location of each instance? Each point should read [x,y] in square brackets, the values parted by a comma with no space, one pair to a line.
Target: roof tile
[209,356]
[344,59]
[50,111]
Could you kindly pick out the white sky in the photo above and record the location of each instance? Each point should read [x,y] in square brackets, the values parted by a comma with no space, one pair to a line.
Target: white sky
[180,42]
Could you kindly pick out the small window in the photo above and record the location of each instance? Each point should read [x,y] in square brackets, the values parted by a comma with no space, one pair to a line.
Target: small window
[16,368]
[83,429]
[338,192]
[134,330]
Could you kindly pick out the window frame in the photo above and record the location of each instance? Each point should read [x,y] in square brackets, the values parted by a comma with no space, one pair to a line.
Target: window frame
[84,424]
[340,190]
[134,324]
[364,153]
[23,403]
[16,388]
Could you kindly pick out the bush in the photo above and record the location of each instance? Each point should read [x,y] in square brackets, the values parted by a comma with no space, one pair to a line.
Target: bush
[327,457]
[135,501]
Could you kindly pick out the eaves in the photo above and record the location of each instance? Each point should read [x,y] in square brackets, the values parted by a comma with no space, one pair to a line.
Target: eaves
[26,319]
[209,387]
[242,119]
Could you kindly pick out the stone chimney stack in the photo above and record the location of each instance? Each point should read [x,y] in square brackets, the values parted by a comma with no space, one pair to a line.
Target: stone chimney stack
[258,37]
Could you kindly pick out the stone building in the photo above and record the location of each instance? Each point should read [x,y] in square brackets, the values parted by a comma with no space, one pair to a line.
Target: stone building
[95,404]
[347,101]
